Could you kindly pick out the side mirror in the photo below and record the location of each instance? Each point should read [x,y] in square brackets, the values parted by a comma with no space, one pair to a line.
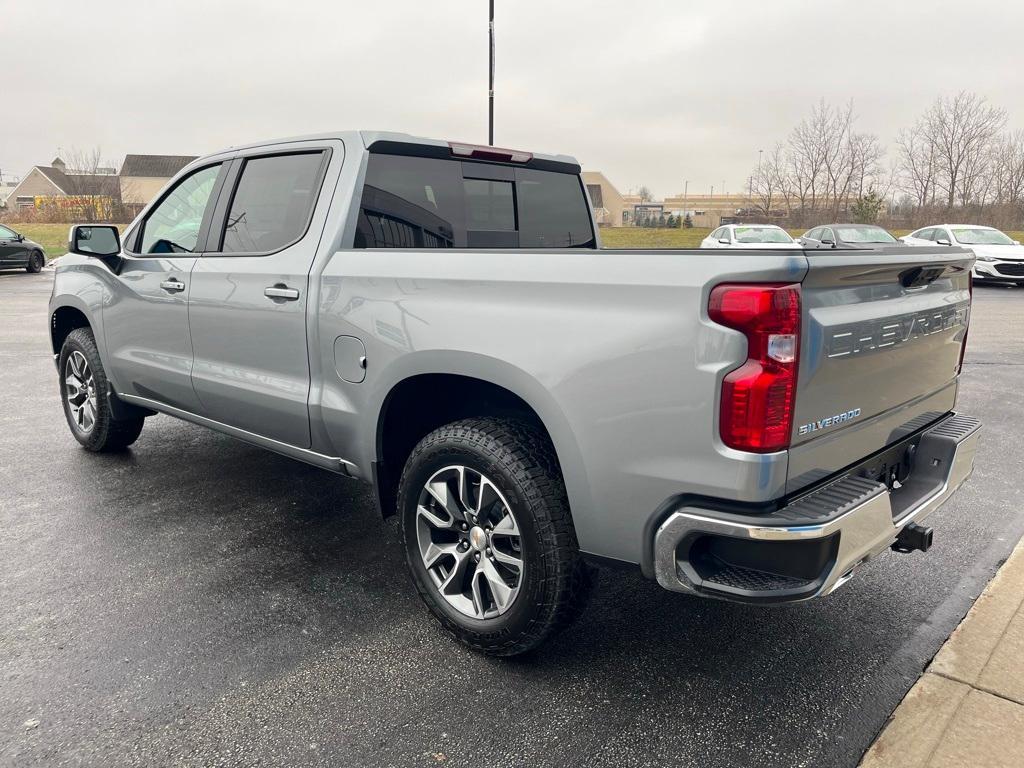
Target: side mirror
[724,240]
[1016,242]
[94,240]
[831,243]
[20,238]
[942,241]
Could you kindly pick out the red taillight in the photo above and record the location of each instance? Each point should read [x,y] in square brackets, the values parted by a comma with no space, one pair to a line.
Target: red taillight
[758,397]
[481,152]
[970,305]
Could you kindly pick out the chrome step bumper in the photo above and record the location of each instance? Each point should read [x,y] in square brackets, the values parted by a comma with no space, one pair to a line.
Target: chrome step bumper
[815,544]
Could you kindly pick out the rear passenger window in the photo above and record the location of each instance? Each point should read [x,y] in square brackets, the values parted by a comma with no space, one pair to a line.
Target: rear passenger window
[272,203]
[423,202]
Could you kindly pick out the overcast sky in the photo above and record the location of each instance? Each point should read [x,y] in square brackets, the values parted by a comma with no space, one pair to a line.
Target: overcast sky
[652,92]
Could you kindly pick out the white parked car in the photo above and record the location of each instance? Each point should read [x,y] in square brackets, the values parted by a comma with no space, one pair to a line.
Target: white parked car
[999,258]
[749,236]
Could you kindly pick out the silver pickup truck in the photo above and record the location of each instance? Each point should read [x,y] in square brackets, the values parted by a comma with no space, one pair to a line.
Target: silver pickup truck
[439,320]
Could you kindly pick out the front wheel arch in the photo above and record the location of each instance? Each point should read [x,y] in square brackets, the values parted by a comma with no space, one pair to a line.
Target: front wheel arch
[62,322]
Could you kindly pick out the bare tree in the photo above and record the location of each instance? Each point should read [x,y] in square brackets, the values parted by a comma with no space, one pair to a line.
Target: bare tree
[961,130]
[645,194]
[917,164]
[769,182]
[1007,164]
[806,156]
[91,184]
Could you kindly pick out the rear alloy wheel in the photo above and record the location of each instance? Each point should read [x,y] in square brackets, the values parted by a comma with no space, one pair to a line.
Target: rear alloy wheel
[469,542]
[83,392]
[488,535]
[36,262]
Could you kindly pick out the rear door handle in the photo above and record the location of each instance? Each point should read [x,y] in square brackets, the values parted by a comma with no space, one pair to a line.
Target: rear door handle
[281,292]
[173,286]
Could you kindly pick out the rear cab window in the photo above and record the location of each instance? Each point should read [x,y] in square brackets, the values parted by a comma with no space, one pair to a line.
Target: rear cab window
[430,202]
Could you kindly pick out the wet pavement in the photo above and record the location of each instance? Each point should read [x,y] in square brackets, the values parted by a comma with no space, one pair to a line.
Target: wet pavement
[197,601]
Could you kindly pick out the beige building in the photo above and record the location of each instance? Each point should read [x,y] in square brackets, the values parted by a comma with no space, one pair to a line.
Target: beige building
[142,176]
[708,210]
[608,203]
[57,181]
[614,209]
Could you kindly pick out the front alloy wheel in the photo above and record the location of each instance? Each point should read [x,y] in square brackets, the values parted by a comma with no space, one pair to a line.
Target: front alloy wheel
[80,388]
[84,393]
[469,542]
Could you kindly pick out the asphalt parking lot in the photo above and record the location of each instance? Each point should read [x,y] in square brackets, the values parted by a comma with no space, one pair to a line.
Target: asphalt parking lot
[197,601]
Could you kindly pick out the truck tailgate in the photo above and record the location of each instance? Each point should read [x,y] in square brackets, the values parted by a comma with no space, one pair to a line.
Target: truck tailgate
[880,349]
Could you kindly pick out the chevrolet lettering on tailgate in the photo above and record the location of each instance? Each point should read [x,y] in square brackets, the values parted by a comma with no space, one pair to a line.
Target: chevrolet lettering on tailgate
[857,338]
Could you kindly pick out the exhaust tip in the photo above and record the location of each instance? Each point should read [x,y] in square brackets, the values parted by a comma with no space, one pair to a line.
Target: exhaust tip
[913,537]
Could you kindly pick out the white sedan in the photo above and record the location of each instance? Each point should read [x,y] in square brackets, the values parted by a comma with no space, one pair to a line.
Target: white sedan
[749,236]
[998,257]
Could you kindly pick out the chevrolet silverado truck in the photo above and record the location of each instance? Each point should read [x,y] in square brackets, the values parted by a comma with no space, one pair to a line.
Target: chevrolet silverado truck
[439,320]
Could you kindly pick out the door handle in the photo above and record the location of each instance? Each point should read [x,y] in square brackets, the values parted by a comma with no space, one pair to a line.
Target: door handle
[173,285]
[281,292]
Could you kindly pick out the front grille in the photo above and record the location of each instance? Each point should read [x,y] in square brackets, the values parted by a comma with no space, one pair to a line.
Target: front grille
[1011,270]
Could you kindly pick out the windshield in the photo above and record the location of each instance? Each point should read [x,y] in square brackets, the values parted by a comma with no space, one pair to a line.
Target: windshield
[761,235]
[864,235]
[981,237]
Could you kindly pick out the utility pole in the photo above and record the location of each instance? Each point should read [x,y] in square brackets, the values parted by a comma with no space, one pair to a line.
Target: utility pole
[686,188]
[490,85]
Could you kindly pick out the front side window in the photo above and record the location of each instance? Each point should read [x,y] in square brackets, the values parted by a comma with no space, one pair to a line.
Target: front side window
[6,234]
[173,226]
[273,202]
[923,234]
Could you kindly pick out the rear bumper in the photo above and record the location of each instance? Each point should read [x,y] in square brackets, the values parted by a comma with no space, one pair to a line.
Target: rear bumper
[814,544]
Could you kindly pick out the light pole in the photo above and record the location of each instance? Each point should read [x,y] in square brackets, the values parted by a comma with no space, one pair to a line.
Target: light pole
[686,188]
[490,80]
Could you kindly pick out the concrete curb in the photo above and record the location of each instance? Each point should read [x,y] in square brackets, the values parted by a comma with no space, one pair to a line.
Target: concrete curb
[968,707]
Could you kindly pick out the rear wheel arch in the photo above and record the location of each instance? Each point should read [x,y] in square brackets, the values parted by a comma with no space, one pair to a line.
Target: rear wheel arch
[420,403]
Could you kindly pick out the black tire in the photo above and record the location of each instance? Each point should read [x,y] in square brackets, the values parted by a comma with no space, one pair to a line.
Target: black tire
[105,433]
[36,262]
[520,461]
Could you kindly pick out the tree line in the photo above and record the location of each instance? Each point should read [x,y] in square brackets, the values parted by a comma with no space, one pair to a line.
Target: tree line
[958,160]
